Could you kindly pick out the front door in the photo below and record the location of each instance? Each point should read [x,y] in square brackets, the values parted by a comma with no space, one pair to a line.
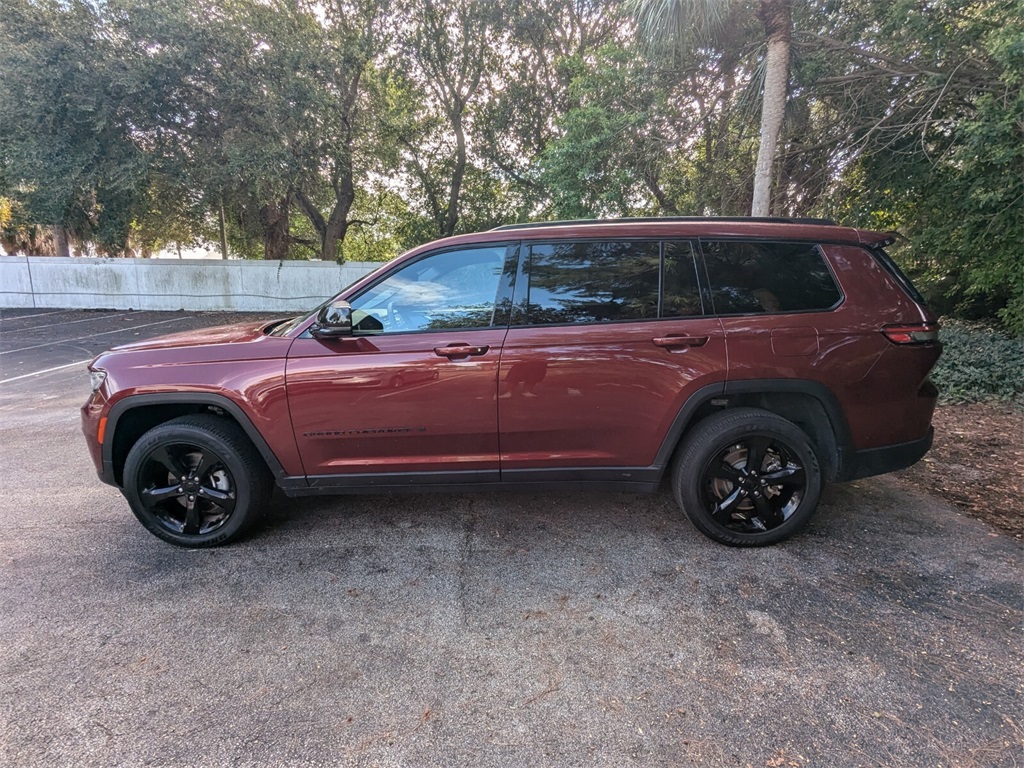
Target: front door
[412,394]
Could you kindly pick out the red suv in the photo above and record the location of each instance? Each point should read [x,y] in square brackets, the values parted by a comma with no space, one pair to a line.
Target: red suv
[749,360]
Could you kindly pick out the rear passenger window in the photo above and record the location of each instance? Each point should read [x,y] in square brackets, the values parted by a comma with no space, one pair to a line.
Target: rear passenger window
[764,278]
[593,282]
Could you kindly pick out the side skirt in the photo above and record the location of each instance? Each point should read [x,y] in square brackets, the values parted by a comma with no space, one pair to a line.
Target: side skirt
[622,479]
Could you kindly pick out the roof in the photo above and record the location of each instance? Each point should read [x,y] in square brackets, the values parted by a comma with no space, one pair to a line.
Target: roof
[659,219]
[806,230]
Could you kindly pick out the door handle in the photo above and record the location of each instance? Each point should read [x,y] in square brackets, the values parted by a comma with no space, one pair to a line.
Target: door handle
[460,350]
[671,342]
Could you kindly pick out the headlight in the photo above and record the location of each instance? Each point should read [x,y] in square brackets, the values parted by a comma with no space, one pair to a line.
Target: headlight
[96,378]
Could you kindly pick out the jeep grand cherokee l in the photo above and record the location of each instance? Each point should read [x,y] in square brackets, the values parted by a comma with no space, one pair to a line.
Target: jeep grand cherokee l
[746,361]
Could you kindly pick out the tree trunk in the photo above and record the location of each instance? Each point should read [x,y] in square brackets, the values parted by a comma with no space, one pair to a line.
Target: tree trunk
[344,196]
[452,213]
[60,240]
[313,214]
[659,194]
[333,237]
[777,17]
[223,231]
[333,229]
[274,218]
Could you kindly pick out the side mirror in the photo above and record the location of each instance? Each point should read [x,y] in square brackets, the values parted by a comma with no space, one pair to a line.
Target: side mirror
[333,321]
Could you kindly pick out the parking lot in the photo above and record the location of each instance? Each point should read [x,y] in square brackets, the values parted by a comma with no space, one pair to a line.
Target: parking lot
[562,629]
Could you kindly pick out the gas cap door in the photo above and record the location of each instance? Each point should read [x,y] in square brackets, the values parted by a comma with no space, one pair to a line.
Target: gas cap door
[800,341]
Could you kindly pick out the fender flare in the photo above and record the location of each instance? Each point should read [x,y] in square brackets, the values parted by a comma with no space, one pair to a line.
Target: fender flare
[702,396]
[130,403]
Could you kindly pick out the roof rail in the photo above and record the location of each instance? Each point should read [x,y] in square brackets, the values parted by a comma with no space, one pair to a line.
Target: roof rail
[633,220]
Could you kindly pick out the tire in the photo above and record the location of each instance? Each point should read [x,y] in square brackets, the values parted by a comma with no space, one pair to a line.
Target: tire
[738,505]
[196,481]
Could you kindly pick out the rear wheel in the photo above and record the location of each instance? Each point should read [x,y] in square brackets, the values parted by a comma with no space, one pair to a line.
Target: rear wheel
[196,481]
[747,478]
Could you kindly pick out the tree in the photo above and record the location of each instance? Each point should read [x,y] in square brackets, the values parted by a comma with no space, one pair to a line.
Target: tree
[224,95]
[683,22]
[67,158]
[342,125]
[452,45]
[922,114]
[610,156]
[549,44]
[777,17]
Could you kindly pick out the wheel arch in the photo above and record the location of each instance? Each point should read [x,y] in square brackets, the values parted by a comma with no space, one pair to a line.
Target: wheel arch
[133,416]
[809,404]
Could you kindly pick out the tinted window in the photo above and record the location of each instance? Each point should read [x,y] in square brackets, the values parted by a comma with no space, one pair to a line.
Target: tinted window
[681,294]
[453,289]
[887,262]
[763,278]
[592,282]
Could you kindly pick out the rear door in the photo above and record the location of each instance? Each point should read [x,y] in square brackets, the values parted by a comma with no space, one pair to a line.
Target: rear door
[411,395]
[606,345]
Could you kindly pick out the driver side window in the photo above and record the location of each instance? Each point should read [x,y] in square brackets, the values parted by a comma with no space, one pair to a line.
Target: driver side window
[451,289]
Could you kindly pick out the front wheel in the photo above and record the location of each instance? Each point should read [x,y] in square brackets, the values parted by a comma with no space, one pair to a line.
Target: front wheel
[747,478]
[196,481]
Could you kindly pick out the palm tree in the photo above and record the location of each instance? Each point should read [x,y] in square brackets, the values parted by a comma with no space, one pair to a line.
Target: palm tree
[680,21]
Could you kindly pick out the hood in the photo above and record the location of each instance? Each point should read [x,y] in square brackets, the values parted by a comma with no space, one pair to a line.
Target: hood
[239,333]
[223,344]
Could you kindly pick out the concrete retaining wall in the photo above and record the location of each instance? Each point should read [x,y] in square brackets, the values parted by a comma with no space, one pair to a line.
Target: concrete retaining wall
[191,284]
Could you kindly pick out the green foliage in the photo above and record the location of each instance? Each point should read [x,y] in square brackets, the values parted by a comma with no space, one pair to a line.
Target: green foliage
[978,363]
[378,236]
[356,129]
[66,154]
[939,146]
[608,141]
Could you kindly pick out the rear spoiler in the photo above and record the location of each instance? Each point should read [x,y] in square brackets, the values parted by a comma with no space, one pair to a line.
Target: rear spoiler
[876,241]
[879,239]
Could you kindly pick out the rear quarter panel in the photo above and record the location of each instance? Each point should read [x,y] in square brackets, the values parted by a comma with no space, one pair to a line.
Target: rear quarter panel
[878,385]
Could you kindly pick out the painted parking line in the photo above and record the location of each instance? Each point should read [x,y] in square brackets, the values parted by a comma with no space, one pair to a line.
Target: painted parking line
[90,336]
[32,313]
[45,371]
[65,322]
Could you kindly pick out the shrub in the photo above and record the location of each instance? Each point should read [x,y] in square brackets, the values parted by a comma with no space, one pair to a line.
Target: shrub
[979,363]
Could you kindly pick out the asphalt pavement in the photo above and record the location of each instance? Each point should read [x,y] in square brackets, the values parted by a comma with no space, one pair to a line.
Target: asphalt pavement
[556,629]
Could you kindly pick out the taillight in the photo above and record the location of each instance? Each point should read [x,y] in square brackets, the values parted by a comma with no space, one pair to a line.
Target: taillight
[919,333]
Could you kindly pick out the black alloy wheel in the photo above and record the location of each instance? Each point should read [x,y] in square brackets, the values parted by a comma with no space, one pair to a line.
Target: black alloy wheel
[748,478]
[187,488]
[753,485]
[196,481]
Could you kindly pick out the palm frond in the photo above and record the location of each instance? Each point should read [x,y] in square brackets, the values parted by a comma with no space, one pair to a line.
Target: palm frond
[676,25]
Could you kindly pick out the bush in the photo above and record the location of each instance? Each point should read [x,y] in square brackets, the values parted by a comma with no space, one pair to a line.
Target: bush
[978,363]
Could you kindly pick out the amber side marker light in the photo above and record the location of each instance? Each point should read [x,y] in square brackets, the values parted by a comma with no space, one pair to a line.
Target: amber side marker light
[920,333]
[102,430]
